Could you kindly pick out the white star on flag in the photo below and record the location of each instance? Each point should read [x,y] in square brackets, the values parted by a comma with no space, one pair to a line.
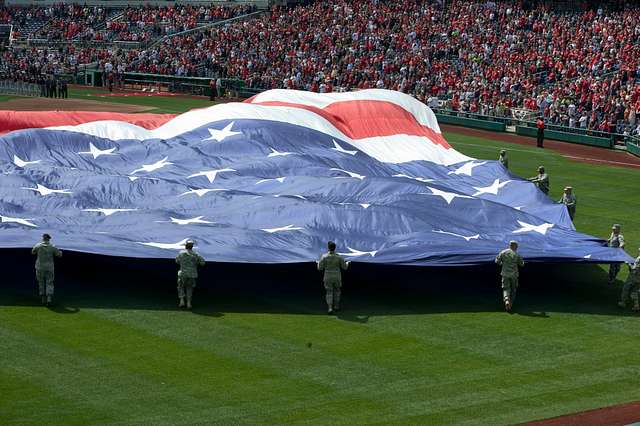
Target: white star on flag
[473,237]
[351,174]
[44,191]
[491,189]
[109,212]
[201,192]
[280,179]
[155,166]
[21,163]
[447,196]
[197,219]
[133,178]
[97,152]
[167,246]
[519,207]
[527,227]
[7,219]
[354,252]
[211,174]
[220,135]
[363,205]
[420,179]
[275,153]
[284,228]
[341,149]
[467,168]
[587,256]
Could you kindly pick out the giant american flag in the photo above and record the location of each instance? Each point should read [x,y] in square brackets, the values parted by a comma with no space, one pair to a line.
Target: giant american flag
[271,180]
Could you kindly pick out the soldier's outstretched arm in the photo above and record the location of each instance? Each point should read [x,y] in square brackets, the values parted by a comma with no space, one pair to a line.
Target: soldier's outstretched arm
[201,261]
[320,264]
[58,252]
[34,250]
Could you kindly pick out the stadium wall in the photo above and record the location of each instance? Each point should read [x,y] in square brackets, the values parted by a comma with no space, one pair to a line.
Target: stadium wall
[118,4]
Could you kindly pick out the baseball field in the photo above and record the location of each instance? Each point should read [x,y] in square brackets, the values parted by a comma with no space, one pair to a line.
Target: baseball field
[412,346]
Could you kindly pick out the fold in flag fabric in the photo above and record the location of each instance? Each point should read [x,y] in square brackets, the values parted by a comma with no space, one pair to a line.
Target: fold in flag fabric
[271,180]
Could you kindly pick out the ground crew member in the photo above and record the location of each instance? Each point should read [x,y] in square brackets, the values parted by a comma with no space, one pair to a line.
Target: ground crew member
[503,158]
[45,252]
[540,126]
[189,262]
[569,200]
[616,240]
[331,263]
[631,287]
[510,261]
[541,181]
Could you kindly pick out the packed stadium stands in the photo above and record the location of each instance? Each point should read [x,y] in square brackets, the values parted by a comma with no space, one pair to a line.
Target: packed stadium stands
[579,69]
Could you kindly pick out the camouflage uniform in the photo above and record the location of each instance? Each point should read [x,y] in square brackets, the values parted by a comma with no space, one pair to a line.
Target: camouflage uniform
[331,263]
[570,201]
[45,252]
[615,241]
[510,261]
[542,182]
[189,262]
[631,287]
[503,159]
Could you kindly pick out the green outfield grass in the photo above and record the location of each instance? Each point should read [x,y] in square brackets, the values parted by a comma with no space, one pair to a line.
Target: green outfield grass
[160,104]
[429,347]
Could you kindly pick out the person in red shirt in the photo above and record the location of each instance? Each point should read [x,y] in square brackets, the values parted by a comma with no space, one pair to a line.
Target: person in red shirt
[540,126]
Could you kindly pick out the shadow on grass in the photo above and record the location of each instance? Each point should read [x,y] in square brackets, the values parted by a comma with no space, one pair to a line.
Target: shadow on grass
[98,282]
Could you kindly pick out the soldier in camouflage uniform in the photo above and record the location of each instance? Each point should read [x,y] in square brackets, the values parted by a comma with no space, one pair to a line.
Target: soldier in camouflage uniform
[541,180]
[510,261]
[503,158]
[189,262]
[45,252]
[569,200]
[332,263]
[631,287]
[616,240]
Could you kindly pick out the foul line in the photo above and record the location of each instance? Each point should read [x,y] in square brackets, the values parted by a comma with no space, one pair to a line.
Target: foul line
[573,157]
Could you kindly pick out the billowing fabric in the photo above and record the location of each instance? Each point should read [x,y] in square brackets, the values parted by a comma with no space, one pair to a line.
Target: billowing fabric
[272,180]
[16,120]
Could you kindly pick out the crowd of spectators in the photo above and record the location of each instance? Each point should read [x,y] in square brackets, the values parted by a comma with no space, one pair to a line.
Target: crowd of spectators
[68,21]
[149,22]
[579,69]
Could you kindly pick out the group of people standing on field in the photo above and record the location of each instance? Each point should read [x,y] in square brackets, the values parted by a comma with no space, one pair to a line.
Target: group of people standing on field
[510,260]
[52,87]
[332,264]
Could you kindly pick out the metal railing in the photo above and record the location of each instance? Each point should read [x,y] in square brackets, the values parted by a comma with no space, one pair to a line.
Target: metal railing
[19,88]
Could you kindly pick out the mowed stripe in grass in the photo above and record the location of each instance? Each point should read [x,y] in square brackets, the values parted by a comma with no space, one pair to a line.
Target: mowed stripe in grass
[160,104]
[443,358]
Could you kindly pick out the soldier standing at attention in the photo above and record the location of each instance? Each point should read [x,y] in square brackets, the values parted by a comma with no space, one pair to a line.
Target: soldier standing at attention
[541,180]
[616,240]
[503,158]
[189,262]
[631,287]
[332,263]
[569,200]
[45,252]
[510,261]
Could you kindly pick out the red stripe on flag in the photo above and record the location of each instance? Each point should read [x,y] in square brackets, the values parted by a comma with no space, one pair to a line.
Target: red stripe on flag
[16,120]
[368,119]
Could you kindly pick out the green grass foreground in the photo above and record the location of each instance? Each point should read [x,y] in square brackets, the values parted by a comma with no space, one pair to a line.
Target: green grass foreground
[423,347]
